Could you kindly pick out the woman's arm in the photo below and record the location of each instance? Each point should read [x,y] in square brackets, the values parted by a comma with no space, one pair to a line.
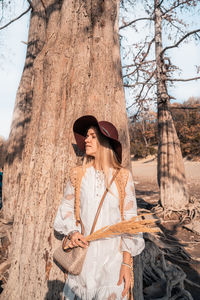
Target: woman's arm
[134,244]
[131,244]
[65,221]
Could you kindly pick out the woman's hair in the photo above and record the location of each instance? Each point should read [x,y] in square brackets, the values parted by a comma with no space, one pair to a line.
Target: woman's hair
[106,156]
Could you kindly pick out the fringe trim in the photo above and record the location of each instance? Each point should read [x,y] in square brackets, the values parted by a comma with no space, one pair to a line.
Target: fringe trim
[76,176]
[121,182]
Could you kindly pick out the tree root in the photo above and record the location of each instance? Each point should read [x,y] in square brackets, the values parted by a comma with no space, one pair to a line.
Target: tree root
[184,216]
[192,283]
[162,279]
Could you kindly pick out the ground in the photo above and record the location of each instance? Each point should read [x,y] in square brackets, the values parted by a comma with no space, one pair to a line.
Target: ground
[147,193]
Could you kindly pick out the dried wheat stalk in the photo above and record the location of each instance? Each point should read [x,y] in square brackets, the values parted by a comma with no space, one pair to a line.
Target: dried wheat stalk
[133,226]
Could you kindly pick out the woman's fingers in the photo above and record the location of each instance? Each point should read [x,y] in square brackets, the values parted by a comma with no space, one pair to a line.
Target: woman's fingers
[126,286]
[78,240]
[80,243]
[125,275]
[70,245]
[120,281]
[83,240]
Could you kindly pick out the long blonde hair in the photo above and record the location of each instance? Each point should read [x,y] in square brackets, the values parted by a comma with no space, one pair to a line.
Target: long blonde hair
[105,155]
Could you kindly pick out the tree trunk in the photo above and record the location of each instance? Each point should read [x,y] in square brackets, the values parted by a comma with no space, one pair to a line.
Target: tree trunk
[22,112]
[76,72]
[171,173]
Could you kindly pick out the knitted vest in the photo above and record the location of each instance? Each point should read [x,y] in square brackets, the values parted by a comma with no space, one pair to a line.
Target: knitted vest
[121,179]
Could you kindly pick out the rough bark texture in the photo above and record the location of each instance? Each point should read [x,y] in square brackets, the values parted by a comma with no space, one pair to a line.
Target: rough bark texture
[77,71]
[22,112]
[171,173]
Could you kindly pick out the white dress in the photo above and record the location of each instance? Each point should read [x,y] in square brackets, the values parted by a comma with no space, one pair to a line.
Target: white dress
[100,273]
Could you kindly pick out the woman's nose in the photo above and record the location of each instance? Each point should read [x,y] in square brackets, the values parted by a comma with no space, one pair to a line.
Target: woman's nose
[87,139]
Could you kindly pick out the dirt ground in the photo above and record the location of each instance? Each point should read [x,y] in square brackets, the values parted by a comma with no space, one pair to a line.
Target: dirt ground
[147,193]
[144,171]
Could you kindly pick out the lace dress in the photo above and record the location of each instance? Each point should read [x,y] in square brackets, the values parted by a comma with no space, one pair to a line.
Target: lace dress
[100,273]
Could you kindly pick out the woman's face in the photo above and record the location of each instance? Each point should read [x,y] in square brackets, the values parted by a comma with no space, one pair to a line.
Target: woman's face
[91,142]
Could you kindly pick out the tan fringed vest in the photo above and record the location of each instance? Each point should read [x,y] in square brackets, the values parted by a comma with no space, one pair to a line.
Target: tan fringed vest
[76,175]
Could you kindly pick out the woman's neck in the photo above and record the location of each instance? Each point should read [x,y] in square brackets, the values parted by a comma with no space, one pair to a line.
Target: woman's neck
[97,166]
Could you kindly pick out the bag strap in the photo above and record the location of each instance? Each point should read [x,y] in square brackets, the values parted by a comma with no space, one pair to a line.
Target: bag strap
[101,203]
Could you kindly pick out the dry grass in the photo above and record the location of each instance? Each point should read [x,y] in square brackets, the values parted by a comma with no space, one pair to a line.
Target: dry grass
[133,226]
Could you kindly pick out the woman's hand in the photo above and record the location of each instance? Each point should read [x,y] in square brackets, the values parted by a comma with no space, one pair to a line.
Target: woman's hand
[77,240]
[125,275]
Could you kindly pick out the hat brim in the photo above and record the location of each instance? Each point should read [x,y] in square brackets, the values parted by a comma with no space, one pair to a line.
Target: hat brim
[80,128]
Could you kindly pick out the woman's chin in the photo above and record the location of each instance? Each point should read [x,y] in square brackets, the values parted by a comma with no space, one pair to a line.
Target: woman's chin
[90,154]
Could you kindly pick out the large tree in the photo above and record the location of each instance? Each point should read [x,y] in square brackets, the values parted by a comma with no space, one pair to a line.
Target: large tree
[72,68]
[149,74]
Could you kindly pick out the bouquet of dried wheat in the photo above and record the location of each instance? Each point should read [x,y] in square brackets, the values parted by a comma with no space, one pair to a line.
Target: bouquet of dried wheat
[133,226]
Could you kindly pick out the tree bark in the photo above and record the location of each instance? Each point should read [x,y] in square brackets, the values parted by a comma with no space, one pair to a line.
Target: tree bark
[76,72]
[22,112]
[171,173]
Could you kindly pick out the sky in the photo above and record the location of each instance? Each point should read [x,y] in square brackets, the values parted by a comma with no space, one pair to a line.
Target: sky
[12,57]
[185,57]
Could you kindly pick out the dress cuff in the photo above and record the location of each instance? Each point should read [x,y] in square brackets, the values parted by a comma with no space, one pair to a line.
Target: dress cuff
[134,244]
[66,229]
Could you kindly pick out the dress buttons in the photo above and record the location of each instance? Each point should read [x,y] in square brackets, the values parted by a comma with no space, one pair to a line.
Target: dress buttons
[99,182]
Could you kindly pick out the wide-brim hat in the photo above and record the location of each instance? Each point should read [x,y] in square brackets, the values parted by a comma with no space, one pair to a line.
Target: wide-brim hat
[81,126]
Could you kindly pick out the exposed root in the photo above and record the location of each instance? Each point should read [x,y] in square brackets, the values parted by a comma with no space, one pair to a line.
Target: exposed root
[192,283]
[162,279]
[183,216]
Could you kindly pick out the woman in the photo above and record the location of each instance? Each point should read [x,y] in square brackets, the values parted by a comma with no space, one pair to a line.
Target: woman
[106,272]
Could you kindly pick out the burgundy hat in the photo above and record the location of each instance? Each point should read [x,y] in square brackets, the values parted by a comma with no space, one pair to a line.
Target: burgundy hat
[81,126]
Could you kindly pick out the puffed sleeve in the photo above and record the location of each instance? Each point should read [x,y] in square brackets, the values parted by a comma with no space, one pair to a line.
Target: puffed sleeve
[133,244]
[65,221]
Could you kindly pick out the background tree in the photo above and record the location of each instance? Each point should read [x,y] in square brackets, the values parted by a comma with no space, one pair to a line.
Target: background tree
[187,122]
[150,74]
[144,134]
[72,68]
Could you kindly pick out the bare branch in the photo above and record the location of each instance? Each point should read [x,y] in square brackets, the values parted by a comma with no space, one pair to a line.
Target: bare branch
[171,22]
[142,89]
[180,41]
[141,63]
[31,4]
[138,65]
[148,49]
[188,79]
[175,6]
[25,12]
[134,21]
[161,2]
